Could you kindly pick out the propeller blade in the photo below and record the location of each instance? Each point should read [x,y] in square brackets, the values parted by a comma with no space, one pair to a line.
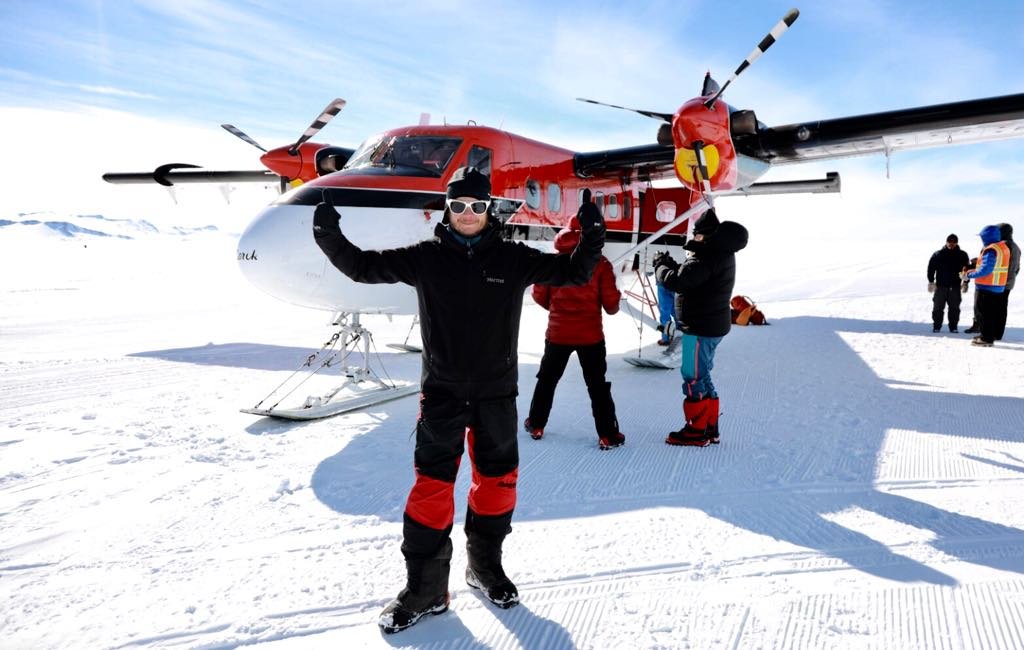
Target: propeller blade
[710,85]
[329,112]
[664,117]
[233,130]
[702,171]
[774,35]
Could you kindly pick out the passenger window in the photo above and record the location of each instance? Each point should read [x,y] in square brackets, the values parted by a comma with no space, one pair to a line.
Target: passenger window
[554,197]
[666,211]
[612,213]
[627,207]
[599,201]
[533,194]
[480,158]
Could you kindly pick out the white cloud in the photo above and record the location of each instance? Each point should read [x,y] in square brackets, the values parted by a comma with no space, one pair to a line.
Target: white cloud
[63,155]
[107,90]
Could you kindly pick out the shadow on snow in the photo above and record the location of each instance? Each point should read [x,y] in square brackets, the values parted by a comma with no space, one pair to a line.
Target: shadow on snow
[798,446]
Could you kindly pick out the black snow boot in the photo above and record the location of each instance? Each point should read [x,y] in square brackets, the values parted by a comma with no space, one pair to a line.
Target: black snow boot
[426,592]
[484,571]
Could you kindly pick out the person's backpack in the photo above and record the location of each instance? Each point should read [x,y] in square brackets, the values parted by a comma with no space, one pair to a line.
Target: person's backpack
[745,311]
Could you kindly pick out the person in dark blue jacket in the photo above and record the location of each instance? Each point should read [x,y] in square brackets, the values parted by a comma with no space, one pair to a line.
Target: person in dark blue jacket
[990,283]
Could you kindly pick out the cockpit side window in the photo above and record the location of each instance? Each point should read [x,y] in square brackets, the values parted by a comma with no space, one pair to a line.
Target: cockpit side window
[405,155]
[480,157]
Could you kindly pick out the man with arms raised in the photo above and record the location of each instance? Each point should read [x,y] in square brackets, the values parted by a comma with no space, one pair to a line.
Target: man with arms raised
[469,283]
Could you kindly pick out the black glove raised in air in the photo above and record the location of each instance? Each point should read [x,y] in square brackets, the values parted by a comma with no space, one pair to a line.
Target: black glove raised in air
[662,258]
[325,218]
[588,215]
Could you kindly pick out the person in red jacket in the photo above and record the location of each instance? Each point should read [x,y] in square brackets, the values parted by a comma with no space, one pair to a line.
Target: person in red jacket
[574,325]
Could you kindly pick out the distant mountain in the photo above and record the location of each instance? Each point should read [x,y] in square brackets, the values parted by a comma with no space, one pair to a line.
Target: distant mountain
[96,225]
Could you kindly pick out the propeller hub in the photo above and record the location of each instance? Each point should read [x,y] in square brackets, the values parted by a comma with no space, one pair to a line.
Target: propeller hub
[696,126]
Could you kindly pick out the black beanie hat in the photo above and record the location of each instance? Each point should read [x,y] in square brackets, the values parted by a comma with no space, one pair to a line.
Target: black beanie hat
[469,181]
[952,238]
[1006,230]
[706,224]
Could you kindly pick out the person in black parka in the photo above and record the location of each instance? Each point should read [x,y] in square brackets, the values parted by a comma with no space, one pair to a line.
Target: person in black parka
[469,284]
[944,269]
[1006,232]
[703,284]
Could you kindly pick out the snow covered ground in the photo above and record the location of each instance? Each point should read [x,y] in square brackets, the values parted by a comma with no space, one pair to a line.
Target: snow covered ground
[867,491]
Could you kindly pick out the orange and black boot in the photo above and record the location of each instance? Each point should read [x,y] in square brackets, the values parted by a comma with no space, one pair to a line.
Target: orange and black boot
[712,430]
[694,434]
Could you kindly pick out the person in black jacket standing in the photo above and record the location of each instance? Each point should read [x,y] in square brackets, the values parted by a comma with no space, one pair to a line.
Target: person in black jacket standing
[703,284]
[469,284]
[1006,232]
[944,268]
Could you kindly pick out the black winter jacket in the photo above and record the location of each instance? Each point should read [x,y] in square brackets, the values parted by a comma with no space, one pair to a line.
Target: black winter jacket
[945,265]
[704,282]
[1011,277]
[470,299]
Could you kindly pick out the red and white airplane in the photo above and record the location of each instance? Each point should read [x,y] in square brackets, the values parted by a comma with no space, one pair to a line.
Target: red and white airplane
[390,191]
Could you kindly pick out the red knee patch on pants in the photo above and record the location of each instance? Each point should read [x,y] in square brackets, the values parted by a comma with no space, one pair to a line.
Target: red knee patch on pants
[431,502]
[493,495]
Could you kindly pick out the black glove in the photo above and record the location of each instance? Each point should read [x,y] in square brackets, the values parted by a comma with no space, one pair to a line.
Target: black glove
[588,215]
[325,218]
[662,258]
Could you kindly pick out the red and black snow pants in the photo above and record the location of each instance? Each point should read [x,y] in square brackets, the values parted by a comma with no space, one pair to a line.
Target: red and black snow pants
[446,424]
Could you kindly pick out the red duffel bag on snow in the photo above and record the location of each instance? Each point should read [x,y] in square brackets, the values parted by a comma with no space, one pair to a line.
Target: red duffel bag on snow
[745,312]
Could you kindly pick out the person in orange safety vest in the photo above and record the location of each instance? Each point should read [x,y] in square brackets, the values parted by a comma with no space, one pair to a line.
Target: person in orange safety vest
[990,283]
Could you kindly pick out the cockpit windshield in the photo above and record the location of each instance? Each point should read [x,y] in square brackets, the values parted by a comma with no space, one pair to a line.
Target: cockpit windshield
[404,155]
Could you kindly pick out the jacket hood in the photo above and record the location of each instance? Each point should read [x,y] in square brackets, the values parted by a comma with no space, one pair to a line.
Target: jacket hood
[566,240]
[990,235]
[729,238]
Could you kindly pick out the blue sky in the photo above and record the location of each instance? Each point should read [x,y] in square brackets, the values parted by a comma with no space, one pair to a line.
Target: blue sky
[269,67]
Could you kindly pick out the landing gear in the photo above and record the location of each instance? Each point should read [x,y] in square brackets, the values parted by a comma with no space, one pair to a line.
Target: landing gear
[648,298]
[362,386]
[405,347]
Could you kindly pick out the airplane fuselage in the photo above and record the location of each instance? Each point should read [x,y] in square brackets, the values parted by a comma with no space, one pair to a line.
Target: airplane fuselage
[392,193]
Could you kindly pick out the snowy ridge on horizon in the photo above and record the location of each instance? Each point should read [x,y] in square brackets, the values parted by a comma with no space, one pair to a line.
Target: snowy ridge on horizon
[95,225]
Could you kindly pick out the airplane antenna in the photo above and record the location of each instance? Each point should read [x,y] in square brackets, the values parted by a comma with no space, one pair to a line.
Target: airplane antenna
[320,122]
[774,35]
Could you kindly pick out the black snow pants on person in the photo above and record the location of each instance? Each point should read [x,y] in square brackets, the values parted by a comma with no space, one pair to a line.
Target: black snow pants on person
[946,296]
[593,362]
[993,315]
[1004,305]
[446,424]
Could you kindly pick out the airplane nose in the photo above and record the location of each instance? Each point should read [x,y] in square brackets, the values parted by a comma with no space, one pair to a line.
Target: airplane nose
[278,255]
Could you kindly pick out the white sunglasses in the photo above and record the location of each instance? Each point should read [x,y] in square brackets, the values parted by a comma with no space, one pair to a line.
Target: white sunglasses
[458,207]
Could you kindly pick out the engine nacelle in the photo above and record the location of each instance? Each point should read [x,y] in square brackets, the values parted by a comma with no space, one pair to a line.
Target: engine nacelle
[294,164]
[696,123]
[332,159]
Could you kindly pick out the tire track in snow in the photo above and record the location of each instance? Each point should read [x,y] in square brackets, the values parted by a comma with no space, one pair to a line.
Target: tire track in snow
[84,380]
[674,614]
[911,455]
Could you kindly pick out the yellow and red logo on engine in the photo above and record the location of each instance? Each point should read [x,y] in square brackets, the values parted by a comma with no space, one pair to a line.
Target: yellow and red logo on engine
[694,122]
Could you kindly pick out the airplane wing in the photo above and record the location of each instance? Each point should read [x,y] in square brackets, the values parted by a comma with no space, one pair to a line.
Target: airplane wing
[175,173]
[977,120]
[649,161]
